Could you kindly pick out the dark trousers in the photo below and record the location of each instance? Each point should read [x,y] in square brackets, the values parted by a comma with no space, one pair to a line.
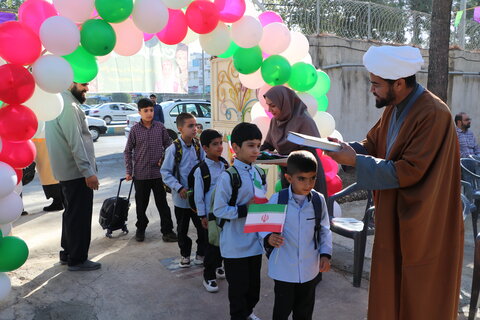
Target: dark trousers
[243,276]
[53,191]
[296,297]
[213,260]
[183,216]
[142,198]
[76,221]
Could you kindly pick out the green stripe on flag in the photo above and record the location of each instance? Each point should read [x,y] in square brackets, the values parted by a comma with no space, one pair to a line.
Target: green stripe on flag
[270,208]
[458,18]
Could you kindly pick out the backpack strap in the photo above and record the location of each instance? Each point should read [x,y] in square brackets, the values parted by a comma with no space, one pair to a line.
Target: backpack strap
[263,176]
[207,179]
[225,163]
[177,157]
[196,145]
[318,209]
[236,183]
[191,176]
[283,196]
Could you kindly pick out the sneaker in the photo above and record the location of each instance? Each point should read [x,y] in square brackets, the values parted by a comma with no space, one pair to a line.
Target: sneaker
[170,237]
[198,260]
[220,272]
[24,213]
[85,266]
[253,317]
[63,262]
[210,285]
[184,262]
[140,235]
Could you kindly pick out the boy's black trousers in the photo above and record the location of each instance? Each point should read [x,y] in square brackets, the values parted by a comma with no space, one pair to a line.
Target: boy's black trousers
[298,298]
[183,216]
[243,276]
[213,260]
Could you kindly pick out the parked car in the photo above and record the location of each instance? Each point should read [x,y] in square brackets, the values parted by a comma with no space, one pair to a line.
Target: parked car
[86,108]
[112,111]
[201,109]
[96,127]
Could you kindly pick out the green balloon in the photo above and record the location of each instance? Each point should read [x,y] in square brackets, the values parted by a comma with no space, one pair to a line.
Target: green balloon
[84,65]
[278,186]
[276,70]
[98,37]
[114,11]
[322,86]
[248,60]
[322,103]
[14,253]
[1,104]
[230,51]
[304,76]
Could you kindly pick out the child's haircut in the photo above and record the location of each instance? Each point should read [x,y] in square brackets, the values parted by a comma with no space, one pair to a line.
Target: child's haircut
[245,131]
[182,117]
[208,136]
[144,103]
[301,161]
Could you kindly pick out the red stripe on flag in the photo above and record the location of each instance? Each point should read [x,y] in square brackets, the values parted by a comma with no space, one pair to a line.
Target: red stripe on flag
[263,227]
[258,200]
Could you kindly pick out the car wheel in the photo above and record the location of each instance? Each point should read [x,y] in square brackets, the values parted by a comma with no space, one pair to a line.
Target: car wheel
[94,132]
[107,119]
[172,134]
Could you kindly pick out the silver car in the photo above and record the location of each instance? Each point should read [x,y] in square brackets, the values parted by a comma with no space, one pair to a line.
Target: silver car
[112,111]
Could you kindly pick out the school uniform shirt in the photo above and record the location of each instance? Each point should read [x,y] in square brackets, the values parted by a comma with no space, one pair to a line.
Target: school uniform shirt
[297,261]
[204,201]
[234,243]
[189,160]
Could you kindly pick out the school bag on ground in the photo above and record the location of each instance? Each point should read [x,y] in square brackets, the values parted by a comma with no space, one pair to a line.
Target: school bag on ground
[317,208]
[177,158]
[215,225]
[114,212]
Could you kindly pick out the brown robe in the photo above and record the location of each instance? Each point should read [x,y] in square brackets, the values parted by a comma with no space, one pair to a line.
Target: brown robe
[418,248]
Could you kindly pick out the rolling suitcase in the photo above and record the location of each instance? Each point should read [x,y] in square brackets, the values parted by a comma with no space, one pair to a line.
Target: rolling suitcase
[114,212]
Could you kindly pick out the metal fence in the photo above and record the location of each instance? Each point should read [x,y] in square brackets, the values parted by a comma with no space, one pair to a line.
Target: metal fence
[369,21]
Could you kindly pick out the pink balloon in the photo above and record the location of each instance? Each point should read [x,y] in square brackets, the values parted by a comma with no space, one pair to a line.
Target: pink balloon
[17,122]
[18,43]
[176,28]
[268,17]
[18,154]
[202,16]
[129,38]
[261,92]
[231,10]
[34,12]
[330,167]
[269,114]
[334,185]
[147,36]
[16,84]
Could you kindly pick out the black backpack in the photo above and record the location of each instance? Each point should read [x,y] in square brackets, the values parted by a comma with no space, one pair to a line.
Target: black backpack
[317,208]
[178,158]
[207,180]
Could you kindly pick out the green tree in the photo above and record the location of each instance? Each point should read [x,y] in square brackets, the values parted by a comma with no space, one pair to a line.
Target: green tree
[10,4]
[121,97]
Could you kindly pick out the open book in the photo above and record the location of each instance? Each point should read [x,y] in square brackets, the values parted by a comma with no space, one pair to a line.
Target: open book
[314,142]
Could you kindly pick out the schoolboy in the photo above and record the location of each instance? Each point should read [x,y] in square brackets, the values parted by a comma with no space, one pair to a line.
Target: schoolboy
[143,154]
[175,175]
[296,258]
[212,144]
[242,252]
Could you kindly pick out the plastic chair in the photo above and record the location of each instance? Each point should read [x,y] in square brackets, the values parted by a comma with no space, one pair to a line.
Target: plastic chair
[471,186]
[354,229]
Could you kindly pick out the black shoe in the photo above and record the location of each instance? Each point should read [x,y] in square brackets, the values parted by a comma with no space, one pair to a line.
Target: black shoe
[63,262]
[170,237]
[55,206]
[24,213]
[140,235]
[85,266]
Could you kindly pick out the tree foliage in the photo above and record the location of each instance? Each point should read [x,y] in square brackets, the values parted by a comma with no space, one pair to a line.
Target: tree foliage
[10,4]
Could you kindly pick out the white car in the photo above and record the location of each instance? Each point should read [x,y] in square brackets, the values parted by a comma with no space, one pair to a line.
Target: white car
[112,111]
[96,127]
[172,108]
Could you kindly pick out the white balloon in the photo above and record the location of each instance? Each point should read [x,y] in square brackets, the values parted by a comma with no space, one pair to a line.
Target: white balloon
[257,111]
[308,59]
[150,16]
[247,32]
[11,208]
[102,59]
[40,134]
[325,123]
[5,286]
[252,80]
[275,38]
[47,106]
[337,210]
[8,179]
[190,37]
[297,49]
[2,62]
[336,134]
[6,229]
[76,10]
[59,35]
[176,4]
[52,74]
[263,123]
[216,42]
[310,102]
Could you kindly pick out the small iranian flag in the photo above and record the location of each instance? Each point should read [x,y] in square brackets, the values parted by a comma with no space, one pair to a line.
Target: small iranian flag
[265,218]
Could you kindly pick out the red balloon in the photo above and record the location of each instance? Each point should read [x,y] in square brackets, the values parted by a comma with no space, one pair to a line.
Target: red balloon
[18,43]
[18,154]
[334,185]
[16,84]
[176,28]
[34,12]
[330,167]
[19,173]
[202,16]
[230,10]
[17,123]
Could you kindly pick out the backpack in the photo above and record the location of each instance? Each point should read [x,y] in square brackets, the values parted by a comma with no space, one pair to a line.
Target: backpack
[177,158]
[207,180]
[215,225]
[317,208]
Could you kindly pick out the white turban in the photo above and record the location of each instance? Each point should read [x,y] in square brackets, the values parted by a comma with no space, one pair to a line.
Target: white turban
[393,63]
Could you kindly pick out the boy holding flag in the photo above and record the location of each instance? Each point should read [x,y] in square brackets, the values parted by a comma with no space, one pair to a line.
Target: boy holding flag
[305,246]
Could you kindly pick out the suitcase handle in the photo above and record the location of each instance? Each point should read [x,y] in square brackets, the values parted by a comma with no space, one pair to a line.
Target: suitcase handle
[120,186]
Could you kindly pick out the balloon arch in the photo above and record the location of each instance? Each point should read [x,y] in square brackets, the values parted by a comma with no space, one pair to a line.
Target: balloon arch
[53,45]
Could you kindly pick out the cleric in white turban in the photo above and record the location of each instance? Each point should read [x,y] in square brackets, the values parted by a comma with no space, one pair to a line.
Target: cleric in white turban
[411,159]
